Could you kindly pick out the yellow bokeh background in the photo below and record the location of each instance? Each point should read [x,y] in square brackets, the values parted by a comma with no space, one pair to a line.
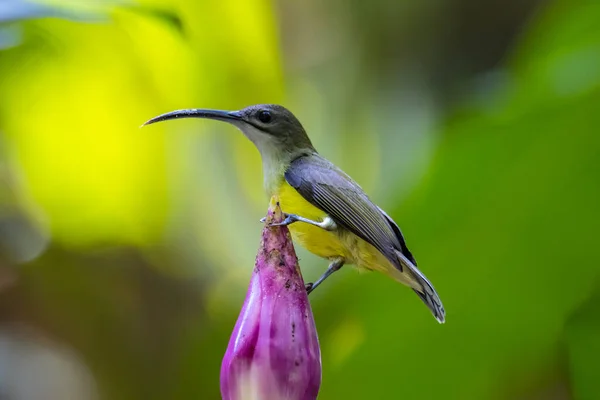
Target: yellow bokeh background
[125,252]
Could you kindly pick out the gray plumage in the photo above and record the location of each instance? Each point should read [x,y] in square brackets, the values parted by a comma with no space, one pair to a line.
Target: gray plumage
[286,150]
[328,188]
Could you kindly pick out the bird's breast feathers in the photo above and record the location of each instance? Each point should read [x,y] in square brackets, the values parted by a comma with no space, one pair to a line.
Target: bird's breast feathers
[327,244]
[316,240]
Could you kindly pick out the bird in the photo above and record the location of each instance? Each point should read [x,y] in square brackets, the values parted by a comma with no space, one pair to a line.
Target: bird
[326,211]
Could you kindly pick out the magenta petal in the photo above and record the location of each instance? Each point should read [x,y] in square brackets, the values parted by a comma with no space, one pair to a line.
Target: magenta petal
[273,353]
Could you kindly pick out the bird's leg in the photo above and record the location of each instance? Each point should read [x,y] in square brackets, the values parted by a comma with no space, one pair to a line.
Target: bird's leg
[328,223]
[334,266]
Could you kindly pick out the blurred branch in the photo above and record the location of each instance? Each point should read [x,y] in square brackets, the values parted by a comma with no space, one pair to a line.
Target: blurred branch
[19,10]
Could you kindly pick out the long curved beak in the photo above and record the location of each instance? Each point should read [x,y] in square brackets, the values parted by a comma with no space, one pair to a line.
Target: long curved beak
[220,115]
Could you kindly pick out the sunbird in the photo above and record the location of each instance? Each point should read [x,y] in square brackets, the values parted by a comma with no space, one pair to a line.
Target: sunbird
[327,212]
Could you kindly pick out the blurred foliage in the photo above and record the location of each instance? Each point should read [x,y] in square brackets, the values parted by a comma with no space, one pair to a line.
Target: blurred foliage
[125,253]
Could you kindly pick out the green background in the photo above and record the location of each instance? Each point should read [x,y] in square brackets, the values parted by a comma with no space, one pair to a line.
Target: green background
[125,253]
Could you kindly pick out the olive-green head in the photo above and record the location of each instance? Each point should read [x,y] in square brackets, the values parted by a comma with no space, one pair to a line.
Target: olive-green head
[274,130]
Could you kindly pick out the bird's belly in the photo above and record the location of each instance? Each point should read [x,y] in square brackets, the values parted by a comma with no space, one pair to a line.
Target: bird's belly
[318,241]
[341,243]
[323,243]
[328,244]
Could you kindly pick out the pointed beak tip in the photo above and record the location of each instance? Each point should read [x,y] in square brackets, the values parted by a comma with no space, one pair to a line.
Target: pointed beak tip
[151,121]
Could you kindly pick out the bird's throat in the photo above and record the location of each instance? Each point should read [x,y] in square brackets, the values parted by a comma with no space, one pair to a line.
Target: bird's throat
[275,161]
[273,175]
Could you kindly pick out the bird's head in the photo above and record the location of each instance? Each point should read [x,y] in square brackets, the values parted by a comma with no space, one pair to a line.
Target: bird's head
[273,129]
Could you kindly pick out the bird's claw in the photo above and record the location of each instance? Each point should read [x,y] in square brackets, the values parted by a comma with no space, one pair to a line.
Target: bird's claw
[289,218]
[309,287]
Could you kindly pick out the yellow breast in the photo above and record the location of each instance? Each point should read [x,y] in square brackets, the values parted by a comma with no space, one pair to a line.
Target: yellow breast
[329,244]
[316,240]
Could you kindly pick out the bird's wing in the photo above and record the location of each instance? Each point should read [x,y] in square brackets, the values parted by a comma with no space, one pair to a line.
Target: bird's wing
[327,187]
[404,249]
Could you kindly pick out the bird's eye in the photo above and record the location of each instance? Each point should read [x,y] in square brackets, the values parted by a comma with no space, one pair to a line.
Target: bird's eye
[264,116]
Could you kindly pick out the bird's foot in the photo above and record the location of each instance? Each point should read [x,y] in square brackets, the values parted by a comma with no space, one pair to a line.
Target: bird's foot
[309,287]
[289,219]
[328,223]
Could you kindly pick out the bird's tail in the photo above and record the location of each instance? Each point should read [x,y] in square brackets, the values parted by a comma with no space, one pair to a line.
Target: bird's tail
[424,289]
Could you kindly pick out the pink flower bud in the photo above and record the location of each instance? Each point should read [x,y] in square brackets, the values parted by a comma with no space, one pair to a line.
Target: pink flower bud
[273,353]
